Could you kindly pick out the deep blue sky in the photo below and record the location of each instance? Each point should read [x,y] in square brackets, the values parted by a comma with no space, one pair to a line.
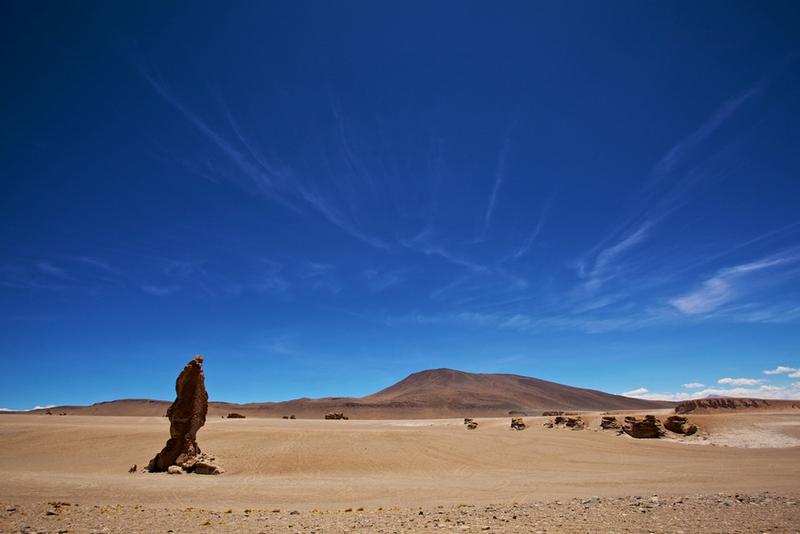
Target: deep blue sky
[324,197]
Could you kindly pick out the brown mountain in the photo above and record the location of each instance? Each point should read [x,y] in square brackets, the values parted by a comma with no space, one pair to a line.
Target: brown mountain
[438,393]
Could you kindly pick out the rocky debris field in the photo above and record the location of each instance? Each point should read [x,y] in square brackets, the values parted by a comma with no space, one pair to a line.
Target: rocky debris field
[723,513]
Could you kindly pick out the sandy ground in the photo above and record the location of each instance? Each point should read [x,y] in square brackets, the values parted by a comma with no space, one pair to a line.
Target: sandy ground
[396,466]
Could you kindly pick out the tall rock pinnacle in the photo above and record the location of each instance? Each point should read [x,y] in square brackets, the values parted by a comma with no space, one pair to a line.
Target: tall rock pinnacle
[186,415]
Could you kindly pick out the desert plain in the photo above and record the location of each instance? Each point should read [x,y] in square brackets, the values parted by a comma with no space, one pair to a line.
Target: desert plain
[739,473]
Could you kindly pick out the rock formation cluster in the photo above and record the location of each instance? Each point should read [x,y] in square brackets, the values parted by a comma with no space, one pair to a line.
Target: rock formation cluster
[186,416]
[647,427]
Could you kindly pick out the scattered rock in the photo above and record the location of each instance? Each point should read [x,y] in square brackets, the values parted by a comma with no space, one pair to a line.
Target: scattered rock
[647,428]
[518,424]
[133,469]
[48,412]
[548,424]
[292,417]
[335,415]
[679,425]
[471,424]
[175,470]
[234,415]
[551,414]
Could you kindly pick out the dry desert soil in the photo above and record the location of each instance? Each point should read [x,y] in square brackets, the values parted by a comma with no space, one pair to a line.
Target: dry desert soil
[739,473]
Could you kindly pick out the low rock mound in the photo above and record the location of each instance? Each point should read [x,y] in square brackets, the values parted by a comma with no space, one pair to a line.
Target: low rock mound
[518,424]
[335,415]
[234,415]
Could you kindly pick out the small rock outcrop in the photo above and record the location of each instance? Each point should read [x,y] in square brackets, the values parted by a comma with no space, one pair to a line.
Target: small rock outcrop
[518,424]
[335,415]
[609,422]
[186,416]
[470,423]
[647,428]
[234,415]
[575,423]
[680,425]
[562,421]
[552,414]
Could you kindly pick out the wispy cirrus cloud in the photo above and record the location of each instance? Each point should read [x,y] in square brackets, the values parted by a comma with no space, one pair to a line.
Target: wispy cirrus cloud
[604,266]
[160,291]
[51,269]
[526,246]
[681,151]
[668,188]
[499,176]
[256,173]
[731,283]
[320,276]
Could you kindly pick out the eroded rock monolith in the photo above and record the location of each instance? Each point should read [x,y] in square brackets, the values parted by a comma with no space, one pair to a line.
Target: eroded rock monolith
[647,428]
[186,415]
[680,425]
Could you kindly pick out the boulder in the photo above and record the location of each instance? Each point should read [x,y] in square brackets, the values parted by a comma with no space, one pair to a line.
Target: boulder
[680,425]
[609,422]
[186,416]
[518,424]
[647,428]
[175,470]
[234,415]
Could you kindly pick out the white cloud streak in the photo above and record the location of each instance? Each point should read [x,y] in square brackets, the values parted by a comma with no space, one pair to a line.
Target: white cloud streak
[740,381]
[791,392]
[694,385]
[780,370]
[728,284]
[635,392]
[680,151]
[498,181]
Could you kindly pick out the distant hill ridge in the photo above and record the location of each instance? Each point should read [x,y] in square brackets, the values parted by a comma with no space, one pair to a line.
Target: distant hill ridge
[431,394]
